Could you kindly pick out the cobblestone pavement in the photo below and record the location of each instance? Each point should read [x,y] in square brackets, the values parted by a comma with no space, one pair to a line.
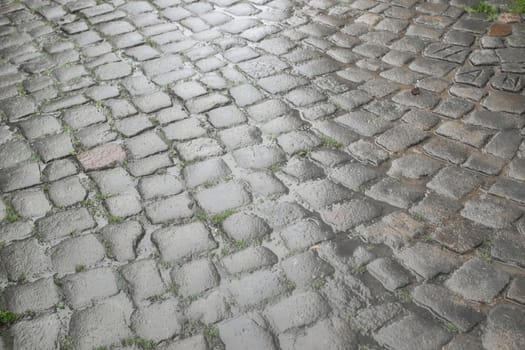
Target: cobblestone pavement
[260,174]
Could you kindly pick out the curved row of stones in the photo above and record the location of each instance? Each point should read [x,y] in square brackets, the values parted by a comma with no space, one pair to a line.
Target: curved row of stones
[260,174]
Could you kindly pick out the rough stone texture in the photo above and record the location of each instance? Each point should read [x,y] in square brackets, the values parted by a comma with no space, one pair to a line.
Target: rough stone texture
[101,156]
[505,328]
[261,174]
[246,331]
[412,332]
[447,305]
[477,280]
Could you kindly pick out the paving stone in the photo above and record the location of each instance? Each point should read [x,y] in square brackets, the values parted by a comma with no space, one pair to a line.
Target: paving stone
[477,280]
[428,260]
[347,215]
[391,275]
[64,223]
[258,157]
[178,242]
[77,253]
[322,193]
[13,153]
[443,148]
[337,332]
[262,66]
[485,163]
[507,247]
[367,152]
[159,186]
[374,317]
[67,192]
[208,310]
[255,288]
[464,341]
[25,259]
[412,332]
[505,102]
[55,146]
[454,182]
[102,156]
[31,203]
[33,296]
[152,102]
[41,126]
[424,100]
[351,100]
[395,192]
[241,226]
[504,144]
[82,116]
[123,205]
[516,290]
[509,189]
[145,144]
[454,107]
[353,175]
[297,310]
[464,133]
[16,108]
[447,305]
[504,328]
[195,277]
[517,169]
[240,136]
[227,116]
[400,137]
[157,321]
[196,342]
[184,130]
[502,213]
[223,197]
[143,279]
[100,325]
[303,269]
[364,123]
[199,148]
[112,71]
[303,170]
[246,331]
[121,239]
[113,181]
[38,333]
[435,208]
[431,66]
[87,286]
[304,234]
[414,166]
[248,260]
[168,209]
[265,184]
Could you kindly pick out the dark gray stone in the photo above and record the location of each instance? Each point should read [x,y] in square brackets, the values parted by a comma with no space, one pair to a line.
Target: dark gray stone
[505,328]
[477,280]
[502,213]
[412,332]
[447,305]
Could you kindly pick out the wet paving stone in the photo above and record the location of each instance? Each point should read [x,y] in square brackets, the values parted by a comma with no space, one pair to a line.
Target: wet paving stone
[413,332]
[484,280]
[501,331]
[234,174]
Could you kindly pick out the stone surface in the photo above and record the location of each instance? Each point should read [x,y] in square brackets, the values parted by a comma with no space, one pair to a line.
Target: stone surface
[412,332]
[504,328]
[229,174]
[101,156]
[477,280]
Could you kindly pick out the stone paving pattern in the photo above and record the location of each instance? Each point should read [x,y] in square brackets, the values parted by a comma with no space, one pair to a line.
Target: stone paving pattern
[260,174]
